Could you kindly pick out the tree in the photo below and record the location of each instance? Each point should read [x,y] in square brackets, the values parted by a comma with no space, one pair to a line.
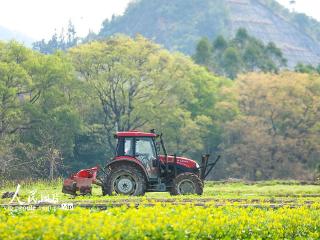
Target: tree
[37,115]
[243,53]
[241,37]
[203,52]
[59,111]
[307,68]
[275,54]
[277,133]
[251,58]
[220,44]
[55,118]
[232,62]
[138,85]
[132,80]
[15,86]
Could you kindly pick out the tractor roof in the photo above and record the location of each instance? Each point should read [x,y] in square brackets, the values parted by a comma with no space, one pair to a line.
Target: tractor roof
[135,134]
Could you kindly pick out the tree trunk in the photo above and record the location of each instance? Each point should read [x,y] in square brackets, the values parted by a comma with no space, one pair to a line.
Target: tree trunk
[51,168]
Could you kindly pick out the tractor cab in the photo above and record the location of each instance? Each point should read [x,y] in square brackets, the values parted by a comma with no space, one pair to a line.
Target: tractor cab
[138,167]
[144,149]
[139,146]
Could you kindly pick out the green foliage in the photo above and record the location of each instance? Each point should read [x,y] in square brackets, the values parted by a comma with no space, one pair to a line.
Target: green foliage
[220,44]
[307,68]
[91,147]
[38,120]
[279,123]
[55,119]
[59,112]
[15,82]
[138,85]
[62,120]
[231,62]
[241,54]
[203,52]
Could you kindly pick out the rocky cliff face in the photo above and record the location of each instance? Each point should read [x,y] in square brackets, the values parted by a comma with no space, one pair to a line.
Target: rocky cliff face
[179,24]
[267,25]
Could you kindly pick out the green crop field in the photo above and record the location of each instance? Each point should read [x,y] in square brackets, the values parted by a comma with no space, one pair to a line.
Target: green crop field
[269,190]
[264,210]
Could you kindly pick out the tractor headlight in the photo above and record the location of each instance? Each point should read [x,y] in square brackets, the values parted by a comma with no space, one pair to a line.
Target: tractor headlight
[197,165]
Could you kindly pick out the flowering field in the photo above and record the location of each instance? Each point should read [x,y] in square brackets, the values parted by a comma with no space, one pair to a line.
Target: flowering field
[265,210]
[163,222]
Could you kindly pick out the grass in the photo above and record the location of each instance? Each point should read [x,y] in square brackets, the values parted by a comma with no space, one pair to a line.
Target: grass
[266,191]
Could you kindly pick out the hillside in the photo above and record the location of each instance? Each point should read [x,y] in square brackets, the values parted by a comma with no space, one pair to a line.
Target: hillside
[179,24]
[6,34]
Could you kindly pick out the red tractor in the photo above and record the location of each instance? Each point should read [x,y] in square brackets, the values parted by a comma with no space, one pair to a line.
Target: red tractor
[138,167]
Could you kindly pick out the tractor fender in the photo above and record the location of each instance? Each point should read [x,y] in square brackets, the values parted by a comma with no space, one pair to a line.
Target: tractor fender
[128,160]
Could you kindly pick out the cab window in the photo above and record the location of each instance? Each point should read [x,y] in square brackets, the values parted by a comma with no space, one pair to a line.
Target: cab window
[145,147]
[128,147]
[125,147]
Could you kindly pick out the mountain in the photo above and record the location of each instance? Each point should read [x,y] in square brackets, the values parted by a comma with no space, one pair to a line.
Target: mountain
[6,35]
[179,24]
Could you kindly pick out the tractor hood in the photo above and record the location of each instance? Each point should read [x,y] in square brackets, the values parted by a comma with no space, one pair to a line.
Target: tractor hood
[185,162]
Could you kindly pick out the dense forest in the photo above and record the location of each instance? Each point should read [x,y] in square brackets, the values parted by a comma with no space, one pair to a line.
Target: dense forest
[241,54]
[59,111]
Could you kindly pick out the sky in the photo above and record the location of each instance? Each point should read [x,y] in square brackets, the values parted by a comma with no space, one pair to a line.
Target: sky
[310,7]
[39,19]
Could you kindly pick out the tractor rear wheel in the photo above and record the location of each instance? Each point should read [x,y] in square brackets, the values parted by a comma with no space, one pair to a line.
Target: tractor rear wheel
[187,183]
[124,180]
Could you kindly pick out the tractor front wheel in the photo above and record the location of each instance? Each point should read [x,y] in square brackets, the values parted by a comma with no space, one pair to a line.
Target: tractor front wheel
[124,180]
[187,183]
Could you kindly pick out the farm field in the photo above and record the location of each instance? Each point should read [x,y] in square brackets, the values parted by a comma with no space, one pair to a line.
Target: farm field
[264,210]
[272,191]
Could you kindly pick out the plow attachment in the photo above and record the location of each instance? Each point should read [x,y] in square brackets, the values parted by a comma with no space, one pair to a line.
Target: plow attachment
[81,181]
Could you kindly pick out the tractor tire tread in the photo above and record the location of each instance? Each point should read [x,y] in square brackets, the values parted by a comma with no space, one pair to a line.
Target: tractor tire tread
[198,183]
[107,188]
